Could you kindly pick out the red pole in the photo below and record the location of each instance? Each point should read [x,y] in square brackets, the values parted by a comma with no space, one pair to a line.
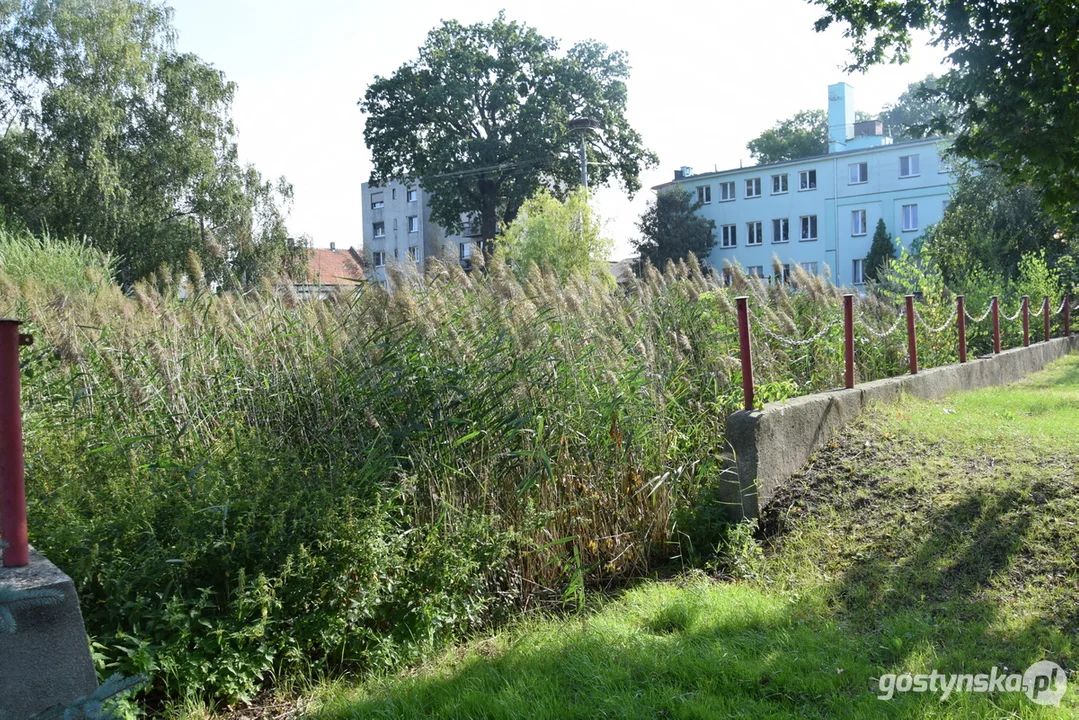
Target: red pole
[1067,316]
[12,483]
[848,337]
[996,324]
[960,312]
[743,346]
[912,341]
[1026,321]
[1045,313]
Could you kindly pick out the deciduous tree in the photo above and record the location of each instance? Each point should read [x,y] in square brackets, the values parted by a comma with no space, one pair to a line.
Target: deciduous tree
[565,237]
[481,118]
[671,229]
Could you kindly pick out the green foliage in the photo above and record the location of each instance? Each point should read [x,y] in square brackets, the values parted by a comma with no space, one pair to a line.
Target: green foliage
[481,119]
[671,229]
[989,226]
[115,136]
[918,112]
[563,237]
[804,135]
[42,260]
[12,598]
[98,705]
[1011,87]
[881,252]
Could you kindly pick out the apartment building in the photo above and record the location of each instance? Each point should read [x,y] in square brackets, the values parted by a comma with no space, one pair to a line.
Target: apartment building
[823,210]
[397,228]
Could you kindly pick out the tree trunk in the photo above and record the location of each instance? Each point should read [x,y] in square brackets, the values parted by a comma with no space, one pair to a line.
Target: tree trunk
[488,216]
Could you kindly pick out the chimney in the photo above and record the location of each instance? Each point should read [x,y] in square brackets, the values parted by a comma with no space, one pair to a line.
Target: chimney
[678,175]
[333,247]
[840,116]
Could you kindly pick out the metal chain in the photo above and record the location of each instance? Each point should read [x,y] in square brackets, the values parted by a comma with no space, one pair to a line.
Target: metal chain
[884,334]
[1007,318]
[983,317]
[798,343]
[1063,302]
[942,328]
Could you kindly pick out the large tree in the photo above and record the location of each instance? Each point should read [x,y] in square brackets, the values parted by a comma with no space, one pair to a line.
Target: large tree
[671,229]
[918,111]
[482,120]
[804,135]
[111,134]
[1013,83]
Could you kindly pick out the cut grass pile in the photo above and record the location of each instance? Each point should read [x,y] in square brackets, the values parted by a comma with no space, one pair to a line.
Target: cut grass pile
[930,536]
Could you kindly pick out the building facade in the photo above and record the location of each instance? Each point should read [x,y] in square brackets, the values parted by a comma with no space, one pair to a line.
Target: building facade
[397,228]
[822,211]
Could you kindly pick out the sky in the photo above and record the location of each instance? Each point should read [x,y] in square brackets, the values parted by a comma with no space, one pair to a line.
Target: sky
[706,79]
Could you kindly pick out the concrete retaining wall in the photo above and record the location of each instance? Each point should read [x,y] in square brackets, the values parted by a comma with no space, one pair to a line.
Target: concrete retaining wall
[773,443]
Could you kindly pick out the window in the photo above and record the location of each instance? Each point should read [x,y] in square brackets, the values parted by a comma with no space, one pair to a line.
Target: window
[756,271]
[726,191]
[810,267]
[859,173]
[779,184]
[413,195]
[753,187]
[704,194]
[858,271]
[465,251]
[728,276]
[378,258]
[729,236]
[857,222]
[781,230]
[908,166]
[413,223]
[754,236]
[786,272]
[944,166]
[380,229]
[393,193]
[809,227]
[807,180]
[377,201]
[910,218]
[412,254]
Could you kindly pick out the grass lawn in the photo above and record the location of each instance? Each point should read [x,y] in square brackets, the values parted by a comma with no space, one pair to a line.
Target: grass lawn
[932,535]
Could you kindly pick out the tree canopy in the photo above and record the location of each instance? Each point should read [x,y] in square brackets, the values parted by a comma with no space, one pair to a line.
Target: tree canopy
[917,111]
[804,135]
[671,229]
[565,237]
[113,135]
[1013,82]
[481,118]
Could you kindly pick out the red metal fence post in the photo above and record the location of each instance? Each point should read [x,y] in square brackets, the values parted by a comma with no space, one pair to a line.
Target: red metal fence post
[996,324]
[1026,320]
[743,346]
[12,483]
[960,313]
[848,338]
[1045,314]
[912,341]
[1067,316]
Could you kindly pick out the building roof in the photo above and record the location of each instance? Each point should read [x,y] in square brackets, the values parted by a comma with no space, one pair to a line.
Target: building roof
[334,267]
[812,158]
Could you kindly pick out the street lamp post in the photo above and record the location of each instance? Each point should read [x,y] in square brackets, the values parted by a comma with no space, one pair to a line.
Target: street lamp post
[582,125]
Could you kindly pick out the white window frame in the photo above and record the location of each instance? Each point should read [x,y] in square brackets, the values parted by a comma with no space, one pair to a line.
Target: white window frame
[376,226]
[413,223]
[858,223]
[914,166]
[858,173]
[782,181]
[377,203]
[756,271]
[465,251]
[753,187]
[728,236]
[804,180]
[785,226]
[754,233]
[413,253]
[413,195]
[786,272]
[704,194]
[910,217]
[378,258]
[808,230]
[857,271]
[726,191]
[811,267]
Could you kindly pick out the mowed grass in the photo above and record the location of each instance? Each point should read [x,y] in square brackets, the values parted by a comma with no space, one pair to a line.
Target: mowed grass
[930,536]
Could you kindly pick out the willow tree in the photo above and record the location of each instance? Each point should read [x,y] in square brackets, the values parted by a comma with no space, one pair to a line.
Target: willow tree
[482,119]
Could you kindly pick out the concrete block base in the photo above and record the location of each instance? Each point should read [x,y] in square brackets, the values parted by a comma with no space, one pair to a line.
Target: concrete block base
[46,660]
[770,445]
